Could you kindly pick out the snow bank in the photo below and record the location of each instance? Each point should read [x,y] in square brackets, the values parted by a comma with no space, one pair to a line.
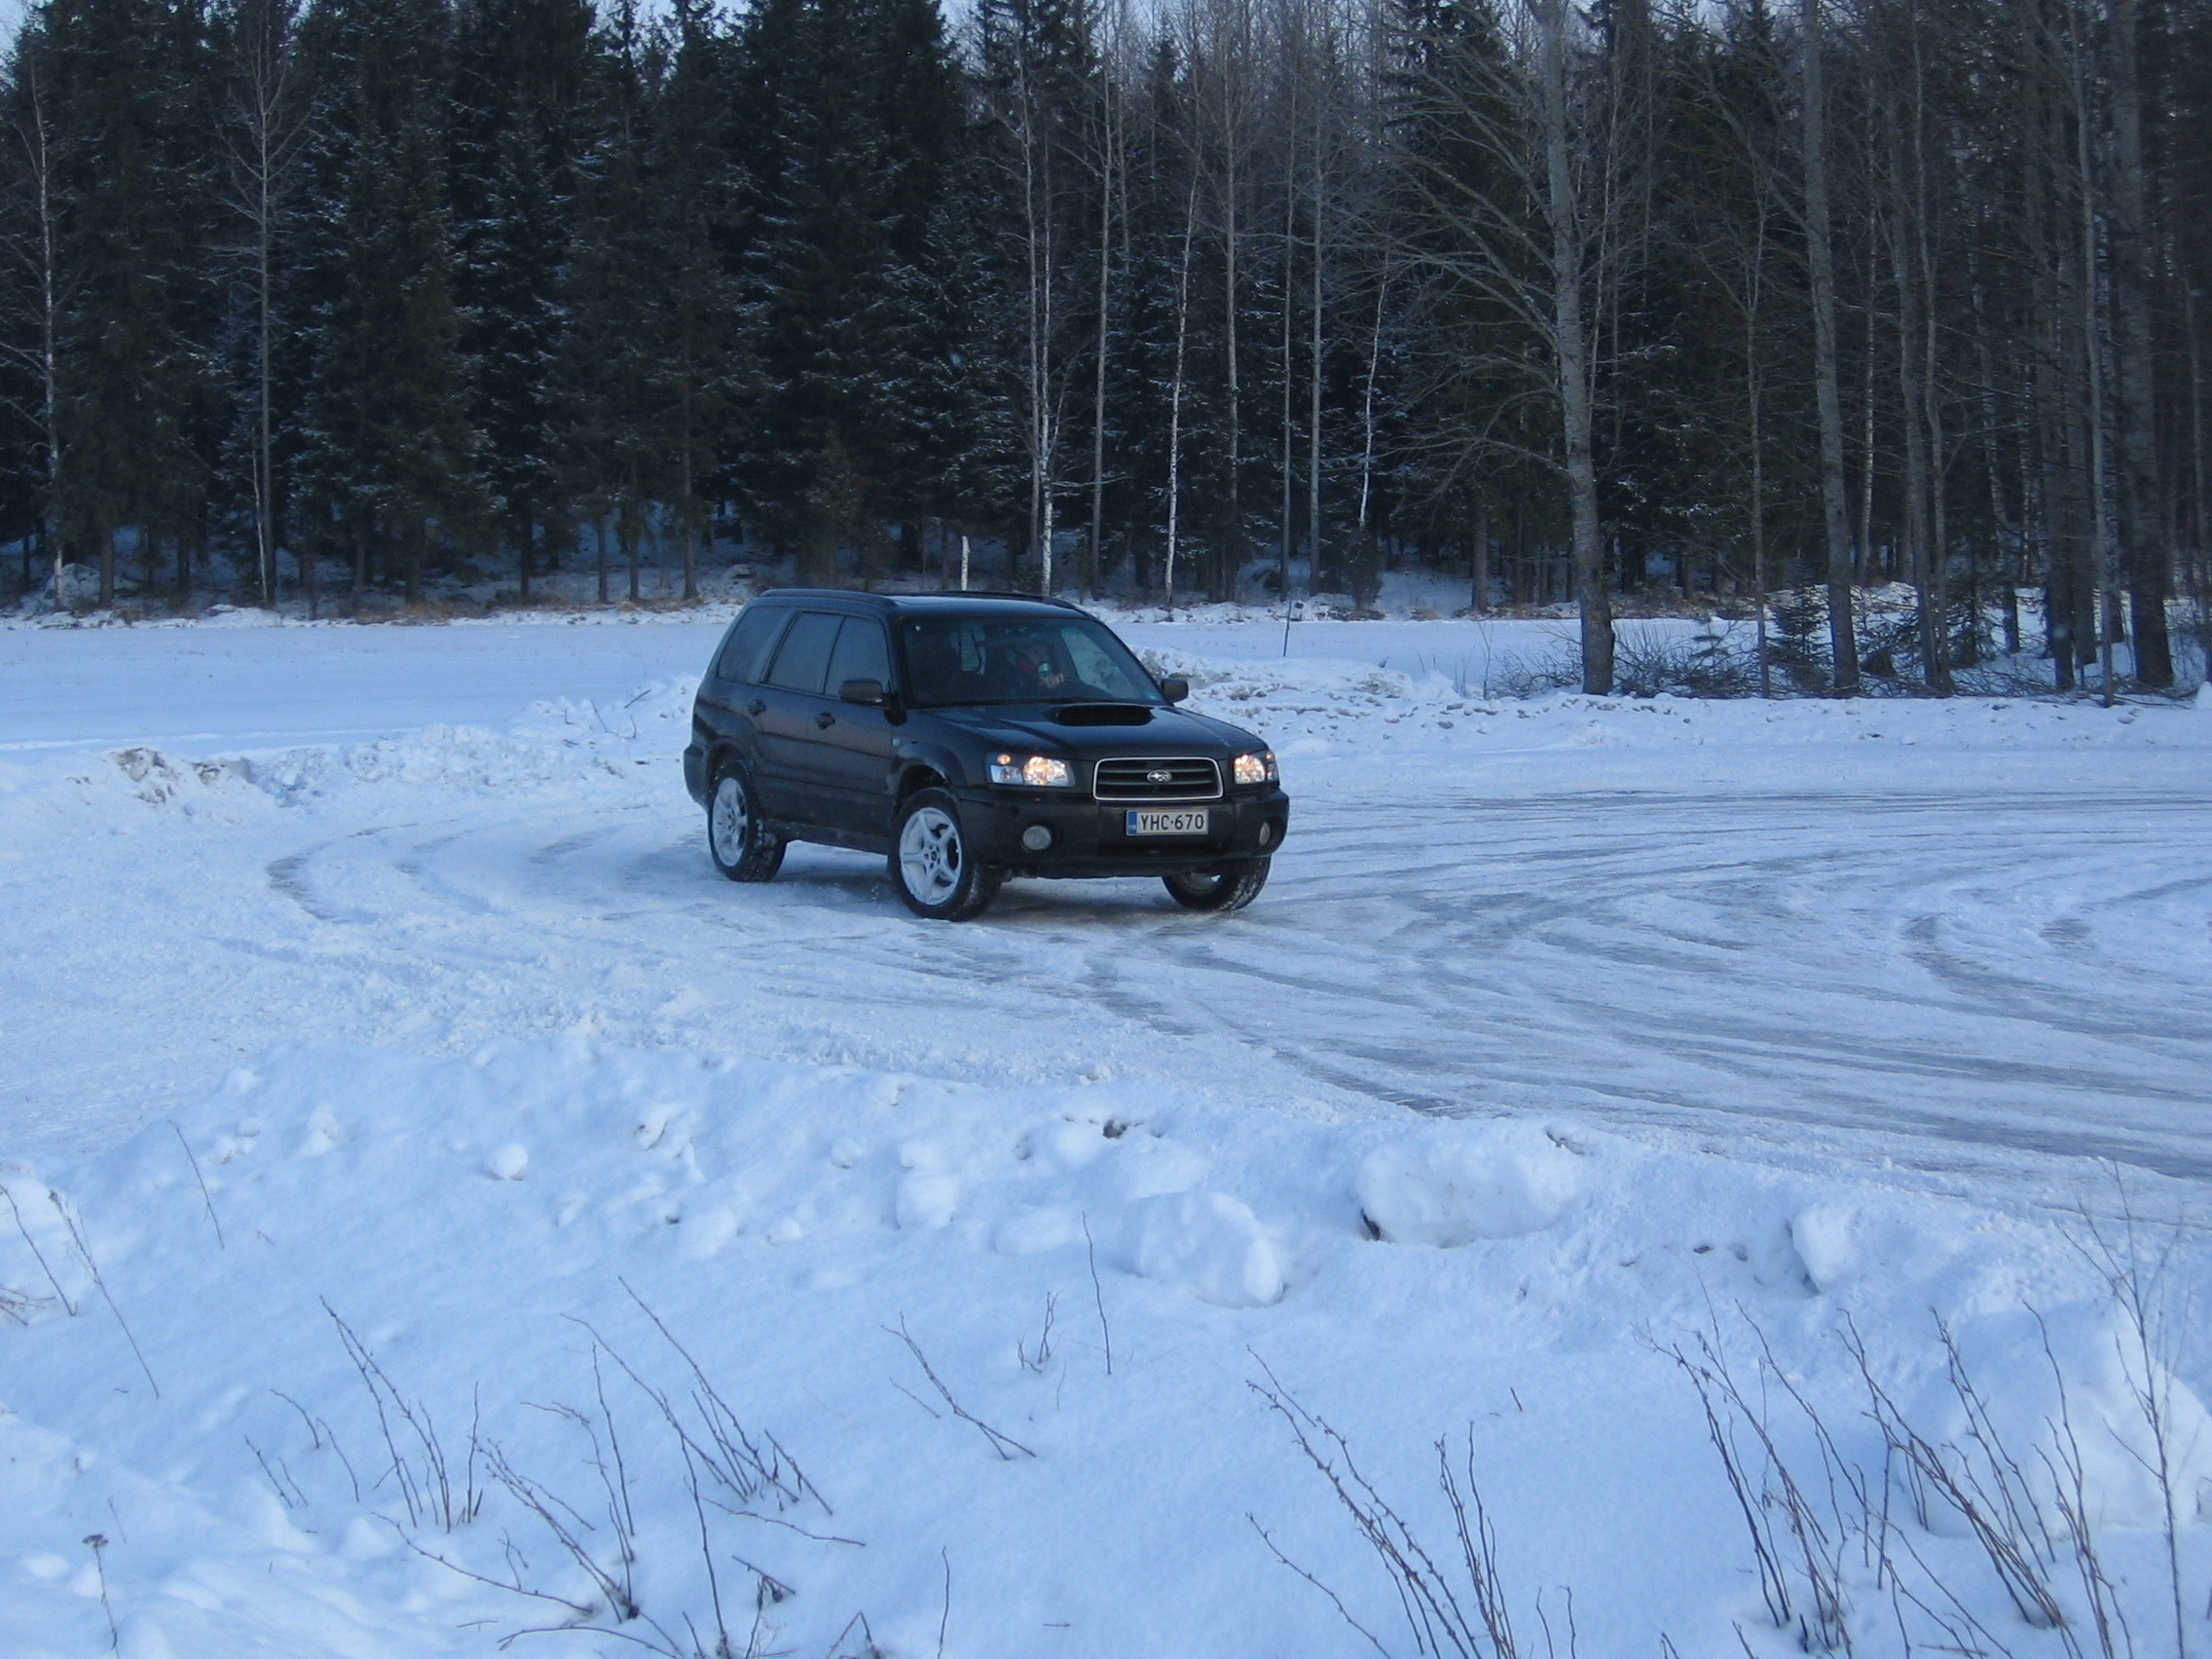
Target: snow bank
[1416,715]
[558,743]
[1461,1182]
[1208,1242]
[1005,1335]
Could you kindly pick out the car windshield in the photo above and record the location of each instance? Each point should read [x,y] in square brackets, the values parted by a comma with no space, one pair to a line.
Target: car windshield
[1020,659]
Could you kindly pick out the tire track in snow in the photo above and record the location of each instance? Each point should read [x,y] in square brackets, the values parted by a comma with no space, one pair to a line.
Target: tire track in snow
[1964,973]
[1794,982]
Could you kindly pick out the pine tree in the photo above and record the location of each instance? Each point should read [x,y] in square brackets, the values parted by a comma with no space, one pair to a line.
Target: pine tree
[694,300]
[851,115]
[947,458]
[390,452]
[127,82]
[518,127]
[611,375]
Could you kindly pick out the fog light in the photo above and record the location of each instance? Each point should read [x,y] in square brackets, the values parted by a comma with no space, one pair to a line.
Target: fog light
[1037,837]
[1267,836]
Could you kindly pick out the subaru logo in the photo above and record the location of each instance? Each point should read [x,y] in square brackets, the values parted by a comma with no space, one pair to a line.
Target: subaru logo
[1160,775]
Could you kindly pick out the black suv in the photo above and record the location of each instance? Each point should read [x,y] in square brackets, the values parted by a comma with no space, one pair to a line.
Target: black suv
[971,737]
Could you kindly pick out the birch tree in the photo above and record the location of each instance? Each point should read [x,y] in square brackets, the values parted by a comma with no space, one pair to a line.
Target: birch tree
[1819,263]
[35,252]
[263,140]
[1513,177]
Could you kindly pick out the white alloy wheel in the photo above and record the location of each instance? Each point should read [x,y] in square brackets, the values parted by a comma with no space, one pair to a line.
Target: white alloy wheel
[728,823]
[930,857]
[932,863]
[744,846]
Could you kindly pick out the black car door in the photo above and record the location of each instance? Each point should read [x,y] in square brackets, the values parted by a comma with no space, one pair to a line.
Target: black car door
[789,771]
[853,740]
[727,694]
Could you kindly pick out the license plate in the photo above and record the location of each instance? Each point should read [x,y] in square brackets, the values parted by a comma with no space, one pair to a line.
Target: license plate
[1170,823]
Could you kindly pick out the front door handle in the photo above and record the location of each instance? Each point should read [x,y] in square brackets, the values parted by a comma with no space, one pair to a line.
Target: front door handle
[823,719]
[756,708]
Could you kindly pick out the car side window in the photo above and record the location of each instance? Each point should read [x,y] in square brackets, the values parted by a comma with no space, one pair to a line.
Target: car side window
[861,654]
[803,659]
[745,653]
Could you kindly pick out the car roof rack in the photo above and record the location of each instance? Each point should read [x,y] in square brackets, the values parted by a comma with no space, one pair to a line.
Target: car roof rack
[990,593]
[893,599]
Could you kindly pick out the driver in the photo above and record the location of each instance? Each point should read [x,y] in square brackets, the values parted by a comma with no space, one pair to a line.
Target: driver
[1035,673]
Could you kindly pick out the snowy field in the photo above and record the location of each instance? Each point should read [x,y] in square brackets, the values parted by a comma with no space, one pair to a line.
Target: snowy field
[440,1208]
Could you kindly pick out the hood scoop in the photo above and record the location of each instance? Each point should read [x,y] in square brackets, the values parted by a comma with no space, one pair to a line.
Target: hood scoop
[1102,715]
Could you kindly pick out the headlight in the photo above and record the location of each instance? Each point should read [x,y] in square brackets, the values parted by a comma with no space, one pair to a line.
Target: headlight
[1257,769]
[1031,771]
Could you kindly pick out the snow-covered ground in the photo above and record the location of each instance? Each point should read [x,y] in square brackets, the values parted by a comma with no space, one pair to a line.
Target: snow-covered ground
[381,1042]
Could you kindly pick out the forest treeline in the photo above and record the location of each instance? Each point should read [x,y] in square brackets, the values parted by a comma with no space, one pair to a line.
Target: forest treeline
[1576,300]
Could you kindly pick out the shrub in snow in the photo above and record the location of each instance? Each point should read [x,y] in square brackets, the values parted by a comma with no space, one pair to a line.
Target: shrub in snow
[1459,1182]
[2071,1390]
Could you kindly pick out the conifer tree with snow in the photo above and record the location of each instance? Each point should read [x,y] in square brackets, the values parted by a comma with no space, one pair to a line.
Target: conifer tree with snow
[694,300]
[388,454]
[520,121]
[611,375]
[127,92]
[849,120]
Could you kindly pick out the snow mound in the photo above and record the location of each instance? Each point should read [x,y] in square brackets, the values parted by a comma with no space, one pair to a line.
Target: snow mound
[558,743]
[1826,1239]
[542,1247]
[1208,1242]
[1457,1182]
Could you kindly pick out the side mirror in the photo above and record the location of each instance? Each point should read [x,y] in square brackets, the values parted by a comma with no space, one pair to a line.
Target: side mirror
[864,691]
[1175,688]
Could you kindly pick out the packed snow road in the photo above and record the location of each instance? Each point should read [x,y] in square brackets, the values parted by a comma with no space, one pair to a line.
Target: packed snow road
[1955,967]
[1977,931]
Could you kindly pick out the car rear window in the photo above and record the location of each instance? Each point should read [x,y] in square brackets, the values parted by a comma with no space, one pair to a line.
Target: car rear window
[803,660]
[745,653]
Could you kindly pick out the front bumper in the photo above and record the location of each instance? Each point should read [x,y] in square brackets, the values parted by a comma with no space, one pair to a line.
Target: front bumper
[1089,838]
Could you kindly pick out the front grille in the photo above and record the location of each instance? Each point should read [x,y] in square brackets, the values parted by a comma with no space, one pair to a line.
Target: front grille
[1188,778]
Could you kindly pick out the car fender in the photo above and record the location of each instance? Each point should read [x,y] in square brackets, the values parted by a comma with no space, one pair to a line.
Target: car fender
[909,756]
[740,746]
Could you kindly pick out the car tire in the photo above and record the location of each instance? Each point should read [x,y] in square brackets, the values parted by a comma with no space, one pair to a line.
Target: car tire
[739,840]
[1228,887]
[930,864]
